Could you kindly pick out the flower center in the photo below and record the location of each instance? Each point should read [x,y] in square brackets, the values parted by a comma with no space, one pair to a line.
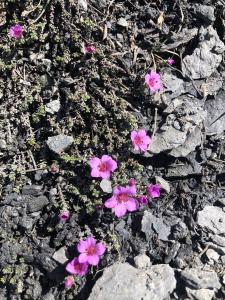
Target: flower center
[152,81]
[103,167]
[77,267]
[121,198]
[91,250]
[137,140]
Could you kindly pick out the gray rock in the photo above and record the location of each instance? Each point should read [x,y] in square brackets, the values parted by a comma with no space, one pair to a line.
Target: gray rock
[207,57]
[60,255]
[202,294]
[163,184]
[183,140]
[195,278]
[222,201]
[52,107]
[26,223]
[142,261]
[215,121]
[206,12]
[212,255]
[172,252]
[33,190]
[149,221]
[212,219]
[59,143]
[223,279]
[37,203]
[106,186]
[48,296]
[122,22]
[124,282]
[83,4]
[3,144]
[193,139]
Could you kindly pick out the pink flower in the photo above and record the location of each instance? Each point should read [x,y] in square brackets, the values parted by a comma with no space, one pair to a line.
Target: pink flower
[132,182]
[64,216]
[170,61]
[90,251]
[101,167]
[89,49]
[153,190]
[153,81]
[69,282]
[140,140]
[54,169]
[76,268]
[16,31]
[122,200]
[143,200]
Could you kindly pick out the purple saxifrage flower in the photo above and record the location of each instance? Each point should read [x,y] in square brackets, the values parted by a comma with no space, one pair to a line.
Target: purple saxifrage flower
[153,81]
[64,216]
[153,190]
[16,31]
[89,49]
[102,167]
[76,268]
[170,61]
[69,281]
[90,251]
[122,200]
[143,200]
[140,140]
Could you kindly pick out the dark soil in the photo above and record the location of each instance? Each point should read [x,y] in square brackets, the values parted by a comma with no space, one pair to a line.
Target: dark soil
[102,99]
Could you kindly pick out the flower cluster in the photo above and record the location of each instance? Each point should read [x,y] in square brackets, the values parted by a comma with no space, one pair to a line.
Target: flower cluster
[89,254]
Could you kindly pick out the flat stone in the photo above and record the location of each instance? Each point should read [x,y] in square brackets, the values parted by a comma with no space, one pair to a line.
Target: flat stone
[206,57]
[37,203]
[60,255]
[106,186]
[196,278]
[206,12]
[212,219]
[33,190]
[164,184]
[215,121]
[59,143]
[52,107]
[149,221]
[181,132]
[212,255]
[202,294]
[123,282]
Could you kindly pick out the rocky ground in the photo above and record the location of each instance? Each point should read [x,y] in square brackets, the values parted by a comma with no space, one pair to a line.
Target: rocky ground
[59,108]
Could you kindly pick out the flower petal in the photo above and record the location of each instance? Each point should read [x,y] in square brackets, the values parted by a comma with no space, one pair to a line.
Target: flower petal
[83,258]
[131,204]
[111,202]
[70,267]
[112,165]
[82,246]
[104,174]
[95,172]
[90,241]
[120,210]
[100,248]
[95,162]
[133,135]
[93,259]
